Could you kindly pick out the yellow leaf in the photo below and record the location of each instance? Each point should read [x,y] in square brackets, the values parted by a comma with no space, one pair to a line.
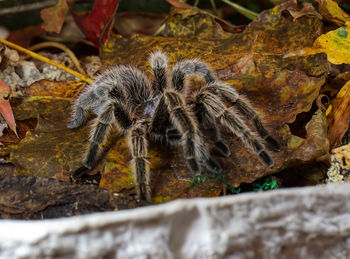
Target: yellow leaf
[331,11]
[336,44]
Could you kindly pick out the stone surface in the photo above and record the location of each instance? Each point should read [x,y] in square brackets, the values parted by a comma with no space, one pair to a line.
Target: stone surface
[308,223]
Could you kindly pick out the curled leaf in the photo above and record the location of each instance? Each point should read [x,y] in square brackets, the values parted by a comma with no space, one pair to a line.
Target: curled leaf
[96,25]
[5,107]
[331,11]
[338,114]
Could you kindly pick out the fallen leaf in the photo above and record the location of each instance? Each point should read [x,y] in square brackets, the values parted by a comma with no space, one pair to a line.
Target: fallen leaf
[336,44]
[331,11]
[130,23]
[5,107]
[51,88]
[338,115]
[293,9]
[97,24]
[29,197]
[54,16]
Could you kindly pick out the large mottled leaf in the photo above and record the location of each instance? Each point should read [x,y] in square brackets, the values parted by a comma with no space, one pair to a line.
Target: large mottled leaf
[50,149]
[252,62]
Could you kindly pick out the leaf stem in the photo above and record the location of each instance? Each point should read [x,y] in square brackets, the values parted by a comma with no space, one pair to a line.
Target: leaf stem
[242,10]
[212,2]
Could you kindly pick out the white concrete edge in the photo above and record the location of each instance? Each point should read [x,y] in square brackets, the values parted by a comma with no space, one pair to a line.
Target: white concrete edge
[30,232]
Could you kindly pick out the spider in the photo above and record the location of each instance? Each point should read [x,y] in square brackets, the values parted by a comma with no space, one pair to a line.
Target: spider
[168,111]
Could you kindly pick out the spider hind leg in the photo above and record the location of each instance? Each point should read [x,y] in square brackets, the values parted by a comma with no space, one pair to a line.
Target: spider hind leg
[194,149]
[209,124]
[217,108]
[242,105]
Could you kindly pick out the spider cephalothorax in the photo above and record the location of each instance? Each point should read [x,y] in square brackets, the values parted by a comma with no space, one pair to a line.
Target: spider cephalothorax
[123,97]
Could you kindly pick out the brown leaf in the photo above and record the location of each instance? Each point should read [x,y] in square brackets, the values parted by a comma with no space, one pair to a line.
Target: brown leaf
[30,197]
[292,8]
[54,16]
[130,23]
[338,115]
[50,88]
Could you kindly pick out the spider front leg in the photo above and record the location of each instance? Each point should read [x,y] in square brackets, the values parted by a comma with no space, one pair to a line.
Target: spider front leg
[193,146]
[109,113]
[83,104]
[245,110]
[138,145]
[217,108]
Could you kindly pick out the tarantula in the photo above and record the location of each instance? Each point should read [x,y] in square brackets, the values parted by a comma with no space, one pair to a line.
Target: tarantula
[166,110]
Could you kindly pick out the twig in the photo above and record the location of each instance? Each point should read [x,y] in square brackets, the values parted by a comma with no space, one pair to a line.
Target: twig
[46,60]
[27,7]
[60,46]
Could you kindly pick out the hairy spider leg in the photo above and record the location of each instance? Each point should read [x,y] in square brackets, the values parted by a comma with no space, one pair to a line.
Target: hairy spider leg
[242,105]
[229,119]
[190,67]
[161,118]
[208,121]
[83,104]
[111,112]
[201,69]
[194,149]
[159,64]
[138,145]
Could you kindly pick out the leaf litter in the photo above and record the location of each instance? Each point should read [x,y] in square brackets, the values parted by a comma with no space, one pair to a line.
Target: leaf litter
[263,63]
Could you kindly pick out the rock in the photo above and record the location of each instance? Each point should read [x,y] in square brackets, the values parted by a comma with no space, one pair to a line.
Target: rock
[308,223]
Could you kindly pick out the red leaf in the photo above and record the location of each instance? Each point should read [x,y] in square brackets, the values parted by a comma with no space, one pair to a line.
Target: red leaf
[97,24]
[54,16]
[179,4]
[5,108]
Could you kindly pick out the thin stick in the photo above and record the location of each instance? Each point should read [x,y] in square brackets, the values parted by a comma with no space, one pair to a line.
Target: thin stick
[46,60]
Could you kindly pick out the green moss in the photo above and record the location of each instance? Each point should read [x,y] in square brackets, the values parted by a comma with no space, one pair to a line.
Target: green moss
[263,184]
[342,32]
